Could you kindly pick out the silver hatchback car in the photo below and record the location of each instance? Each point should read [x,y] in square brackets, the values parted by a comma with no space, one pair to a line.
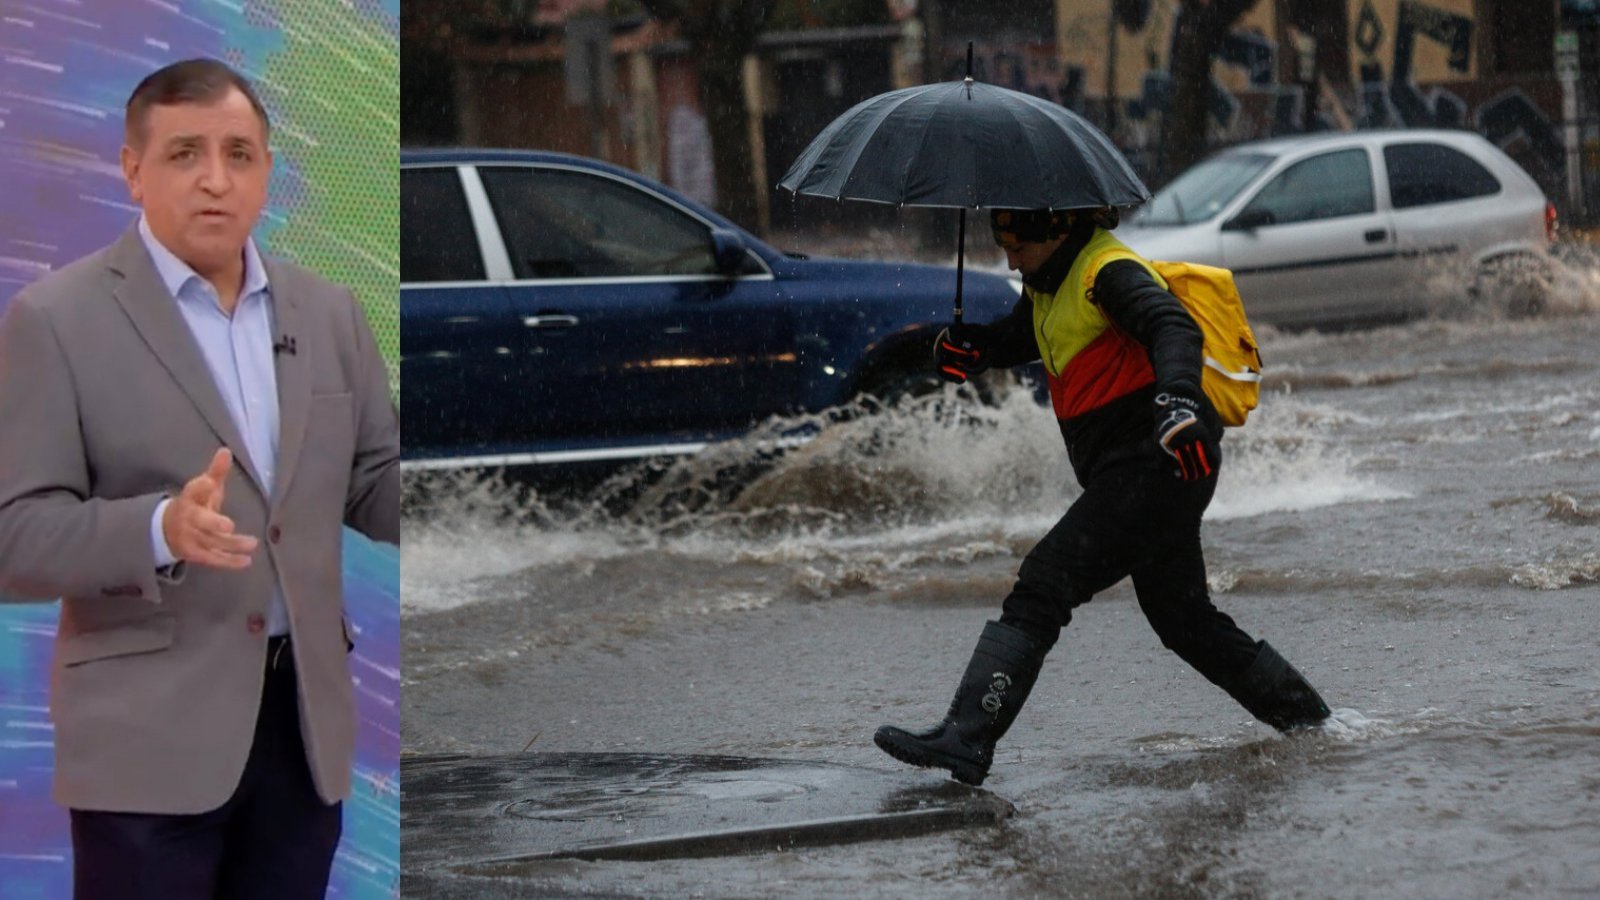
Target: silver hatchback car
[1356,227]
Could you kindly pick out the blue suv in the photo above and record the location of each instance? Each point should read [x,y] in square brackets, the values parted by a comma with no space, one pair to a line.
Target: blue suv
[556,309]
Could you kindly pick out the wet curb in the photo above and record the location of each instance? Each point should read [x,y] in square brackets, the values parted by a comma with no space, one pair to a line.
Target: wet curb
[506,815]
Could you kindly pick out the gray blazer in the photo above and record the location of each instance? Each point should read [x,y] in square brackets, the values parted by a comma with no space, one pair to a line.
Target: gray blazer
[106,406]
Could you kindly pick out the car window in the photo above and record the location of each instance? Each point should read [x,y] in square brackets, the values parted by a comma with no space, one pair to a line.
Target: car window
[1202,191]
[1433,173]
[437,241]
[1322,187]
[559,223]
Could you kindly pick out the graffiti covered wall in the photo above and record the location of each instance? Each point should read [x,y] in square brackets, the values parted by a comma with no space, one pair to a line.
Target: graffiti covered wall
[1412,63]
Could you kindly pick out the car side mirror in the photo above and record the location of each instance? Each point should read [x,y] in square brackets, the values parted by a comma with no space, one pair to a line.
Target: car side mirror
[1250,220]
[729,250]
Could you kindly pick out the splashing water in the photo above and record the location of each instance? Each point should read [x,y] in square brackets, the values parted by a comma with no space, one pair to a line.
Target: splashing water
[929,480]
[785,601]
[1288,458]
[1350,725]
[1575,281]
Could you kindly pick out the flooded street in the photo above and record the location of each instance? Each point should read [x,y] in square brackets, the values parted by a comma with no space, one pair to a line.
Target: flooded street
[1412,517]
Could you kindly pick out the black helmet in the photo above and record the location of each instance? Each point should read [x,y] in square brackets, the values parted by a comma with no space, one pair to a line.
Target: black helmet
[1039,225]
[1029,225]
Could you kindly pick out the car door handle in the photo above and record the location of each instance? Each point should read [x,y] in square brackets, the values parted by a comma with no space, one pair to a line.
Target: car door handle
[550,320]
[1376,235]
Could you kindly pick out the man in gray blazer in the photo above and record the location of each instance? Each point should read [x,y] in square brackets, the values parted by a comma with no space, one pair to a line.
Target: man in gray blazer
[184,428]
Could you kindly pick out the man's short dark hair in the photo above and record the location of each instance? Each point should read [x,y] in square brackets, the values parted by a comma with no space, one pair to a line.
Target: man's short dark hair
[199,81]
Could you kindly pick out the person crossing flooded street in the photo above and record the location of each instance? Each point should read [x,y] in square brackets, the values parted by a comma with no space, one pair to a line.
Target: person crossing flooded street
[1124,362]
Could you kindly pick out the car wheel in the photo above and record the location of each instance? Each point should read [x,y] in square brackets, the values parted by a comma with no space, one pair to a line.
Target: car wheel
[904,369]
[1517,285]
[907,372]
[893,385]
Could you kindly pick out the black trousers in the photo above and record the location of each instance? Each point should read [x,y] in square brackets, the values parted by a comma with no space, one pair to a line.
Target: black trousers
[274,838]
[1134,519]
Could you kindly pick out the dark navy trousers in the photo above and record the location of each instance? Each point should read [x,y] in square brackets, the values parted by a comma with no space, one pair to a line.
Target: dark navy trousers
[274,838]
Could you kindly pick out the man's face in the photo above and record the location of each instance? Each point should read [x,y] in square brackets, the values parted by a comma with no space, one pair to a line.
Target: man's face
[1027,256]
[201,177]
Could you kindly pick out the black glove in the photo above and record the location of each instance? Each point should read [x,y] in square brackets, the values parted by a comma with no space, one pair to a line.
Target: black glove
[1185,436]
[961,351]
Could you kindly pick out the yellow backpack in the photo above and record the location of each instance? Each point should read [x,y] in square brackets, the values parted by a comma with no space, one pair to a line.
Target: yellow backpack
[1232,374]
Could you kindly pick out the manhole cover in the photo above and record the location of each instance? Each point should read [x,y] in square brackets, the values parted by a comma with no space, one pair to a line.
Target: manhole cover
[499,814]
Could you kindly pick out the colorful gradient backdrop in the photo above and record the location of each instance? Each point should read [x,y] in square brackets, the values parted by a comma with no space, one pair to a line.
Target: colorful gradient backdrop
[328,72]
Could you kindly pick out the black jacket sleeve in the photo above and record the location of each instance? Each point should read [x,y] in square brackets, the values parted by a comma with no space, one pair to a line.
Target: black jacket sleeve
[1011,341]
[1133,301]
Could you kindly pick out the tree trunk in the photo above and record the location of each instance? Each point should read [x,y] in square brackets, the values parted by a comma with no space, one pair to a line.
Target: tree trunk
[1201,26]
[1328,21]
[720,33]
[721,74]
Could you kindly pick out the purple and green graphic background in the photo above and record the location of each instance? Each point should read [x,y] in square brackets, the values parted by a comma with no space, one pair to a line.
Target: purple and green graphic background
[328,72]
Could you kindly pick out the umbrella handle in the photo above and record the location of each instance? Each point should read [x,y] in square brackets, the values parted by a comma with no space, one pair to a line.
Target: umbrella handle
[961,254]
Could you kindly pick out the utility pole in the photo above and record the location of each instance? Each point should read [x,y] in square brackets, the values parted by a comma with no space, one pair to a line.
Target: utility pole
[1111,69]
[1567,73]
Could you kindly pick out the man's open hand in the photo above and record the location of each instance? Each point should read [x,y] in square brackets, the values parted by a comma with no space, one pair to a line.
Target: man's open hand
[194,526]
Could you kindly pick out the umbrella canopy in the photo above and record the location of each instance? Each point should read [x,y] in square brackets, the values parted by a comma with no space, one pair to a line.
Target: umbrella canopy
[965,144]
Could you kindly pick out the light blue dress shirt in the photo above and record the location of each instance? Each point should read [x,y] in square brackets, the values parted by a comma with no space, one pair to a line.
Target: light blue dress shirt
[238,351]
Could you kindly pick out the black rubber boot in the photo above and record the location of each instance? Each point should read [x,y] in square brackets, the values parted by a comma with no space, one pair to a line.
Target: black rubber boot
[997,681]
[1276,694]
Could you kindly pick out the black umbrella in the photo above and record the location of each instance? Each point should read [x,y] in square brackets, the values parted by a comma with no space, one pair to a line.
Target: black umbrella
[967,145]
